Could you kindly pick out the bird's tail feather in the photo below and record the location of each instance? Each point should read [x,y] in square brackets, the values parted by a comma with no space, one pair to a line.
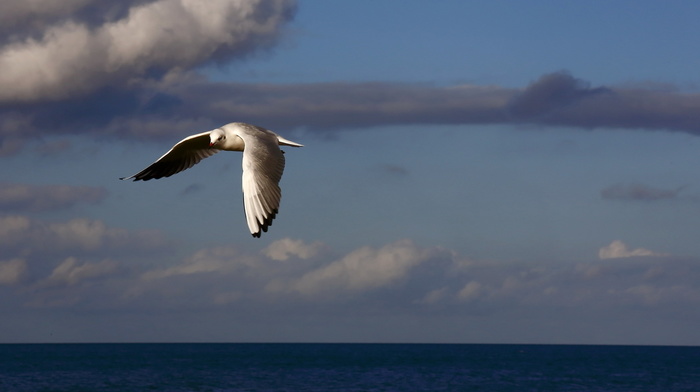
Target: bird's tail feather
[284,142]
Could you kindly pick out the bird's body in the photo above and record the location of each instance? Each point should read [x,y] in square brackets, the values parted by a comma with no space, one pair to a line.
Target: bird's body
[263,164]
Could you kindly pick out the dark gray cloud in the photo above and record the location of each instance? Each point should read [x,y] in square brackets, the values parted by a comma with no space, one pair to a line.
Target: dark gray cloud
[554,99]
[638,192]
[392,170]
[23,197]
[191,189]
[550,95]
[184,103]
[325,106]
[54,147]
[31,18]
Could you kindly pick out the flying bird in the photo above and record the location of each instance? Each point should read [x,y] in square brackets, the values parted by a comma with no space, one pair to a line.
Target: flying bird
[263,164]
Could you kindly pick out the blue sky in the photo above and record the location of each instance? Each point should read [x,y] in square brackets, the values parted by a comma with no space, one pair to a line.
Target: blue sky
[477,172]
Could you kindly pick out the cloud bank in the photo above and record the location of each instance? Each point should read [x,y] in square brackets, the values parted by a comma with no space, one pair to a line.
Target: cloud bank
[183,102]
[23,197]
[557,99]
[397,277]
[88,267]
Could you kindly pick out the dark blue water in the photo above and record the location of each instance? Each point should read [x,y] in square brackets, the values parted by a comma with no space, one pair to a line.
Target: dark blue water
[346,367]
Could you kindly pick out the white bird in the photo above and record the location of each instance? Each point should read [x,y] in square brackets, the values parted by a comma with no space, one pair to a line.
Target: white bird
[263,164]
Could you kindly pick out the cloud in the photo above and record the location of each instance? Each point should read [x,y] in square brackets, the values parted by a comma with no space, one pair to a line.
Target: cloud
[176,100]
[550,94]
[230,260]
[214,260]
[23,197]
[35,14]
[210,277]
[557,99]
[291,266]
[617,249]
[363,269]
[51,262]
[285,248]
[470,291]
[191,189]
[85,234]
[638,192]
[398,285]
[19,234]
[28,18]
[71,272]
[11,271]
[402,276]
[434,296]
[72,58]
[129,70]
[332,106]
[391,170]
[53,147]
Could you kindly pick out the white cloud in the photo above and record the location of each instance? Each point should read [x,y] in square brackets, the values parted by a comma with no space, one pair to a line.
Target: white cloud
[285,248]
[228,297]
[70,272]
[83,233]
[364,269]
[13,229]
[80,234]
[73,58]
[11,271]
[589,271]
[654,295]
[470,291]
[617,249]
[219,259]
[434,296]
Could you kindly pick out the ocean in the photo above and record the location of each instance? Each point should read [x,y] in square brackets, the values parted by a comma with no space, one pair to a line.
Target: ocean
[346,367]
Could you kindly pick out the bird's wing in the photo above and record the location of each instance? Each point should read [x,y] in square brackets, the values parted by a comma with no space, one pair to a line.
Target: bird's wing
[263,164]
[185,154]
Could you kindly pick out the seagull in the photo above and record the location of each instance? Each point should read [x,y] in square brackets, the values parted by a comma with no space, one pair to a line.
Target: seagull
[263,164]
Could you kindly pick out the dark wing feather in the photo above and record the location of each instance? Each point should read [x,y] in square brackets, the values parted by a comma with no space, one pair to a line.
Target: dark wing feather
[185,154]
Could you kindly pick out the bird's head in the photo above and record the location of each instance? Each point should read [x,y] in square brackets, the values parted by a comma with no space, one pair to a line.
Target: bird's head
[216,137]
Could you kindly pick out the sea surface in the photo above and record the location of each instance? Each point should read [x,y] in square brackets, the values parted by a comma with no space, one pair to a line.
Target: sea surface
[346,367]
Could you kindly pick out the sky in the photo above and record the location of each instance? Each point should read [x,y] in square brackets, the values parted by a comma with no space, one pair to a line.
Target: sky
[472,172]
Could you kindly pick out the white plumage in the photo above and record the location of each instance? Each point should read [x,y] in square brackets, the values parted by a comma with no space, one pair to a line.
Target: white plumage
[263,164]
